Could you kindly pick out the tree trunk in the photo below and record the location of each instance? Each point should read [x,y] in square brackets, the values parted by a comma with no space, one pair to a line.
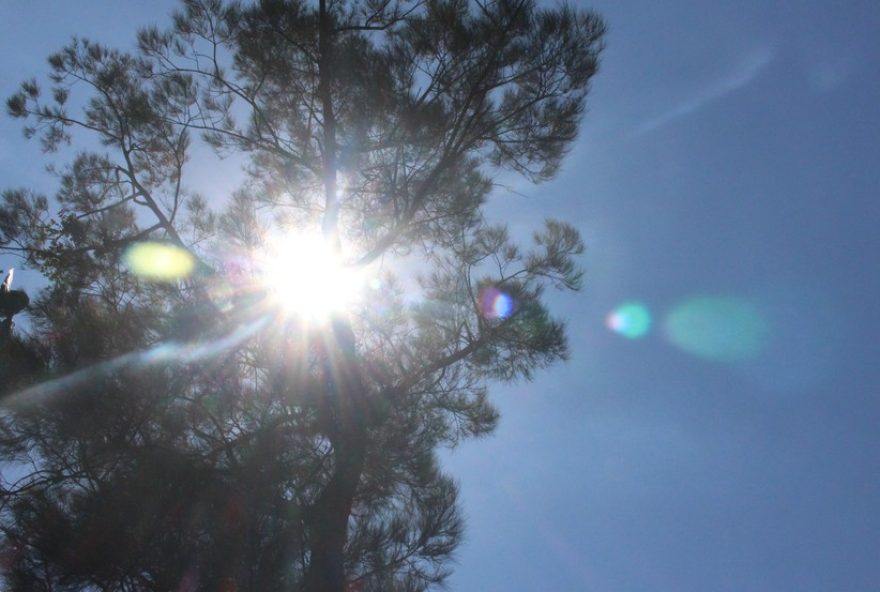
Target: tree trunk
[345,419]
[329,518]
[328,153]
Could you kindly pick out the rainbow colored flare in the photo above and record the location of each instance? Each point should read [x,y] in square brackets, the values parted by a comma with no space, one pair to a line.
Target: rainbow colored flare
[631,319]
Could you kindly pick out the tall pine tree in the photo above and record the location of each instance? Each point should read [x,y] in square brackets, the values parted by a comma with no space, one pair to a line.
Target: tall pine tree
[177,426]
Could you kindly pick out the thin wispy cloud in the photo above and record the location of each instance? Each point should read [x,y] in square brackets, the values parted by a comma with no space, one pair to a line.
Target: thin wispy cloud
[746,71]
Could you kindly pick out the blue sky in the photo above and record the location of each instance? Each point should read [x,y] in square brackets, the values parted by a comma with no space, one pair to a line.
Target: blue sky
[730,154]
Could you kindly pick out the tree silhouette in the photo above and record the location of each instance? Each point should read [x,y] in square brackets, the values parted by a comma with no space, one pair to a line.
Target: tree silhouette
[185,433]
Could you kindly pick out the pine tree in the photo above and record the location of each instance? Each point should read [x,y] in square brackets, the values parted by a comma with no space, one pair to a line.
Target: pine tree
[185,432]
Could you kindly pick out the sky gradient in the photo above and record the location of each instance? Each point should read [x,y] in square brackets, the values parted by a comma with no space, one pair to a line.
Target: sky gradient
[726,179]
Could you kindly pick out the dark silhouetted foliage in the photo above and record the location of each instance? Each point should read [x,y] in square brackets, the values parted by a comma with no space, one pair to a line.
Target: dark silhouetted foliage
[186,435]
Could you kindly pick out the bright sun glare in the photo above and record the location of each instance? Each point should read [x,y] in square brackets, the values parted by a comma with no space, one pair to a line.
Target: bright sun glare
[307,278]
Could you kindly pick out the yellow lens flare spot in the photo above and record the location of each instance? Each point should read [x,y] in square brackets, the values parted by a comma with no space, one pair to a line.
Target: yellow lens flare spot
[159,262]
[306,277]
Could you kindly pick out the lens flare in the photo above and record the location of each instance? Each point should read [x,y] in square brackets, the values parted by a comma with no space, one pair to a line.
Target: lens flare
[495,304]
[721,329]
[632,320]
[159,262]
[163,354]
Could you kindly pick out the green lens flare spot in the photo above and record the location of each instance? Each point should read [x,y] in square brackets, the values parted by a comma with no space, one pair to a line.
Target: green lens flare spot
[159,262]
[632,320]
[717,328]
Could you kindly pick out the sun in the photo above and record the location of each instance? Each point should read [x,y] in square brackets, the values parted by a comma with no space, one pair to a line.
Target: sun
[306,277]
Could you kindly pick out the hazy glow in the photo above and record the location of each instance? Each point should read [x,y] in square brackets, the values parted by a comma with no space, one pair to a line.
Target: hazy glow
[159,261]
[717,328]
[632,320]
[495,304]
[807,336]
[306,277]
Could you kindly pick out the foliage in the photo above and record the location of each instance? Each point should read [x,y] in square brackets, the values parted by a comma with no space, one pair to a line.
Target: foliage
[186,435]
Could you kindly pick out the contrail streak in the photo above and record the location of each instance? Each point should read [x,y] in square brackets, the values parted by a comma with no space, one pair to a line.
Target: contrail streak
[747,71]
